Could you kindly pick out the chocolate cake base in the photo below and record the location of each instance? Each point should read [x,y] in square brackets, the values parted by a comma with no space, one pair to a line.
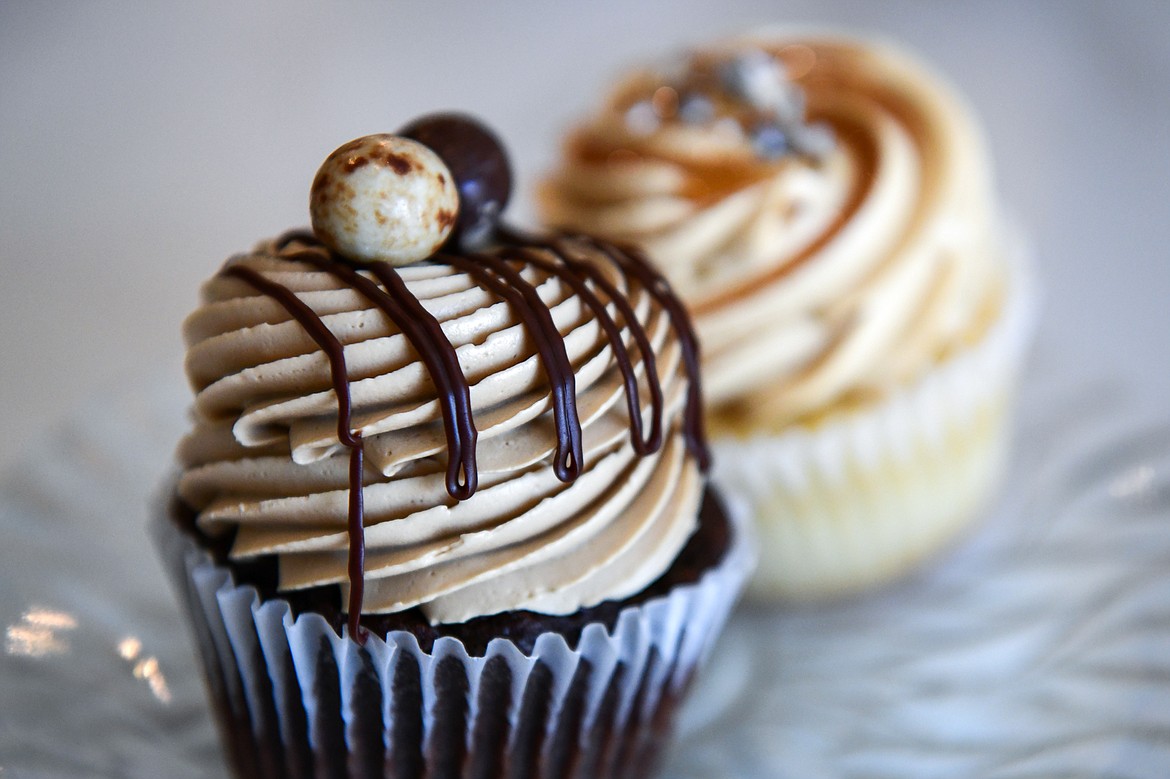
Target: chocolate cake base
[461,726]
[705,549]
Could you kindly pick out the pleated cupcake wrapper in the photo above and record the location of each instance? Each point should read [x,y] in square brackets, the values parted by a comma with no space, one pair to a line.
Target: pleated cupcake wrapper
[331,707]
[899,432]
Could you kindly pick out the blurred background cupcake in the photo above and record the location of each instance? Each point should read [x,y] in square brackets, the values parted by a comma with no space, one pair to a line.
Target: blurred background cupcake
[825,207]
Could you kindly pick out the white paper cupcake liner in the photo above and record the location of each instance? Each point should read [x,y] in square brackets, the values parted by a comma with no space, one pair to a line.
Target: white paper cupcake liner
[863,495]
[297,699]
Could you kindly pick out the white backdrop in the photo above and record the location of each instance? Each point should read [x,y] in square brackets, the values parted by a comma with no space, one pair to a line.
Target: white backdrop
[140,144]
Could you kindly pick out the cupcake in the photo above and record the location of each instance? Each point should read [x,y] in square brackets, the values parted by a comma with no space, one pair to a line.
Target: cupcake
[825,208]
[442,509]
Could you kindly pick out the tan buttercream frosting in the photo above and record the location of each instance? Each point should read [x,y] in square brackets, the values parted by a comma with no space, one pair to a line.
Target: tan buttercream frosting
[823,205]
[264,459]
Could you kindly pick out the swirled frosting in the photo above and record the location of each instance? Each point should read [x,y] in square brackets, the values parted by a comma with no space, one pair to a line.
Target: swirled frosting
[264,459]
[823,205]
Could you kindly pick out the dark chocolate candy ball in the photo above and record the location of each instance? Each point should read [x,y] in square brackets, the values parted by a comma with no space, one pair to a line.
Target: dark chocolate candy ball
[477,160]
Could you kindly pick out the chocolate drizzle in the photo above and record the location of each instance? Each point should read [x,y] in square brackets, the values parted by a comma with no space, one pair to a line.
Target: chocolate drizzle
[633,263]
[495,272]
[353,440]
[573,272]
[426,336]
[503,280]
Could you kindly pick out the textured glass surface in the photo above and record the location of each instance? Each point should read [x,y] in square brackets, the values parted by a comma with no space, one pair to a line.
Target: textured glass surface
[1039,647]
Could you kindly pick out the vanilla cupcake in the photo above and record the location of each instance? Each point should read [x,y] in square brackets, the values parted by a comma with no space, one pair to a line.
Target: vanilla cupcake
[825,208]
[442,509]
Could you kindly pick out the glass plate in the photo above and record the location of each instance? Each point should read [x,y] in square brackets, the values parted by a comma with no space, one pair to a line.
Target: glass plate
[1039,647]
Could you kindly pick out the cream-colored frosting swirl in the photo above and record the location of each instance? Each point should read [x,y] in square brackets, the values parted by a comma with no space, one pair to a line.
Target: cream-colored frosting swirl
[264,459]
[815,281]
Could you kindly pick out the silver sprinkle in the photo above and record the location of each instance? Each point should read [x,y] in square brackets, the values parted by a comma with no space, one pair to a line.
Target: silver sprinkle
[790,109]
[771,141]
[696,108]
[813,140]
[641,118]
[756,77]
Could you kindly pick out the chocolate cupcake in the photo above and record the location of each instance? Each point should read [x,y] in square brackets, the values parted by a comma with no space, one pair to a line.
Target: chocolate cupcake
[442,510]
[825,207]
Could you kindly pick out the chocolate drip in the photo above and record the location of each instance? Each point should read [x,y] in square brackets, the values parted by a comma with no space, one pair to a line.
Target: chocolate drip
[306,237]
[455,396]
[426,336]
[333,349]
[633,263]
[356,563]
[503,280]
[574,273]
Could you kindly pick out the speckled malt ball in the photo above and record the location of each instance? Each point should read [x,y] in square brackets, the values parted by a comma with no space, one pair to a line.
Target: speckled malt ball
[383,198]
